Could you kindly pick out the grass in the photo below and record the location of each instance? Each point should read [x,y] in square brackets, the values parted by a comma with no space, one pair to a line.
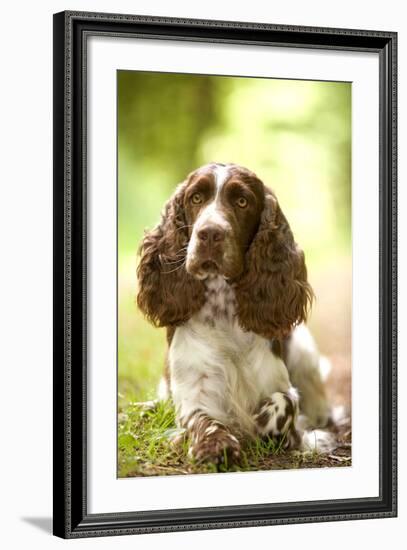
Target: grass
[146,448]
[141,347]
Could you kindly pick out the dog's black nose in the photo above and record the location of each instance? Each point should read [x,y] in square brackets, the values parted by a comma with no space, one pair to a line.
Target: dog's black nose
[211,234]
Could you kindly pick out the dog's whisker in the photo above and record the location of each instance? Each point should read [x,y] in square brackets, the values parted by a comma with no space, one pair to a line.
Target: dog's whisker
[183,227]
[175,261]
[172,271]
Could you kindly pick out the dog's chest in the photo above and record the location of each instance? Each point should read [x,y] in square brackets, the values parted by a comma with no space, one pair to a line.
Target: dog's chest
[217,321]
[215,362]
[220,305]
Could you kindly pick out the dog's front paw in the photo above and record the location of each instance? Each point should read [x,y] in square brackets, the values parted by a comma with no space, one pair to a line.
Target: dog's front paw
[276,418]
[216,447]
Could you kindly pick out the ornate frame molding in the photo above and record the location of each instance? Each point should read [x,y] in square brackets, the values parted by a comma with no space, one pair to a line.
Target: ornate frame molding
[71,30]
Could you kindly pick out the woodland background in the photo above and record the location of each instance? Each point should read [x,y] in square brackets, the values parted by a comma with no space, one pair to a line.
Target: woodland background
[296,135]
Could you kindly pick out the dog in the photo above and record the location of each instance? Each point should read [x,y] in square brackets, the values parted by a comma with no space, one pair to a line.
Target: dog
[223,273]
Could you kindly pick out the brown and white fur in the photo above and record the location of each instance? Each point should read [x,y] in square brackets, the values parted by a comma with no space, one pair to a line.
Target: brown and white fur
[223,273]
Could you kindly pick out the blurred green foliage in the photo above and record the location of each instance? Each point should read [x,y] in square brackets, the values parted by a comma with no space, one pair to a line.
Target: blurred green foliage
[296,135]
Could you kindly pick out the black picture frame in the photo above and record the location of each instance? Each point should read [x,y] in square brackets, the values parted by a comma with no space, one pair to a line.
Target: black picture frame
[71,518]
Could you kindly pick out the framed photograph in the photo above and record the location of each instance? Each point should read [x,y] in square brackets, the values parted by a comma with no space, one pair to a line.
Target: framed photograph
[225,279]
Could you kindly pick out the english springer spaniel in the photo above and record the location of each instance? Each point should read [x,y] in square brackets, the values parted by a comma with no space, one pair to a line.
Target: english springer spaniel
[222,272]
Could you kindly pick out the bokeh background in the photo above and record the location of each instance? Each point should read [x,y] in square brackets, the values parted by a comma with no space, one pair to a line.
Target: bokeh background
[296,135]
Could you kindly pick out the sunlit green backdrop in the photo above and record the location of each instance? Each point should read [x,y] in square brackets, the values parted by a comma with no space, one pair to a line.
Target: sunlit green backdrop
[294,134]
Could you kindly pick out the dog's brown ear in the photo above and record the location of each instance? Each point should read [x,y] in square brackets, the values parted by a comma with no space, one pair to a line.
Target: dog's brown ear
[273,294]
[167,294]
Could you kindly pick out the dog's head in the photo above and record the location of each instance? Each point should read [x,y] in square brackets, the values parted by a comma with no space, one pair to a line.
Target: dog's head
[223,206]
[222,220]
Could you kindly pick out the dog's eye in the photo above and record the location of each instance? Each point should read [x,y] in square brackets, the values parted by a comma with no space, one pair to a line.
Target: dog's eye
[196,198]
[241,202]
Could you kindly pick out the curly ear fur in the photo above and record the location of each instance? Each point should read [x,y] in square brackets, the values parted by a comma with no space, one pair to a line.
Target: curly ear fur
[168,295]
[273,294]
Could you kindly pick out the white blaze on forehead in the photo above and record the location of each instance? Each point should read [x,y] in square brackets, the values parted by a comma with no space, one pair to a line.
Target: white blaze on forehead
[213,211]
[221,175]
